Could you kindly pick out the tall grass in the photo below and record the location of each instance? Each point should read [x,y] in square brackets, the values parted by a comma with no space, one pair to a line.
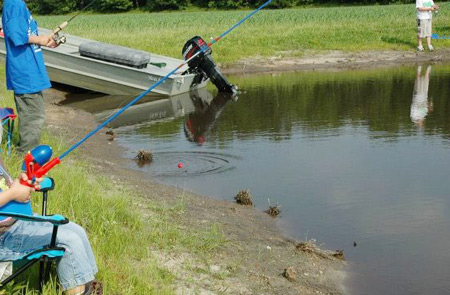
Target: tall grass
[284,32]
[124,227]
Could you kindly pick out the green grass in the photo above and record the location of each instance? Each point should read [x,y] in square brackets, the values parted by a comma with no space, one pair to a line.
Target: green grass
[124,228]
[285,32]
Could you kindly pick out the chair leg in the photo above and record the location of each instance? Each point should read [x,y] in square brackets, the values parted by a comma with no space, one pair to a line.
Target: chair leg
[42,274]
[47,271]
[45,265]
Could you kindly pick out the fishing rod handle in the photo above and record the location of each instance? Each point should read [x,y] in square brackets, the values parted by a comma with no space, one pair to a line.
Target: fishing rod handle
[60,27]
[56,37]
[33,175]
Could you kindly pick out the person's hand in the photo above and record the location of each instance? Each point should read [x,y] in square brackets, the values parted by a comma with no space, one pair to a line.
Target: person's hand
[47,41]
[43,40]
[20,193]
[36,184]
[51,42]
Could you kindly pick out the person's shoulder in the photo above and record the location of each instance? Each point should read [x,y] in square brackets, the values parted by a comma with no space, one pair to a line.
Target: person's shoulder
[11,3]
[11,8]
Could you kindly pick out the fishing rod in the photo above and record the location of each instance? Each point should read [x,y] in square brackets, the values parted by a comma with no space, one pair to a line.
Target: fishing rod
[62,39]
[436,12]
[37,162]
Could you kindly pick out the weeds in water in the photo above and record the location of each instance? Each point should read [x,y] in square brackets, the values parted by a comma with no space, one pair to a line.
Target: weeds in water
[243,197]
[144,157]
[273,211]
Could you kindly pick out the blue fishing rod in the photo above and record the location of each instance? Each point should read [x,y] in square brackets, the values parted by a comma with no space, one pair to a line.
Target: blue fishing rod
[37,161]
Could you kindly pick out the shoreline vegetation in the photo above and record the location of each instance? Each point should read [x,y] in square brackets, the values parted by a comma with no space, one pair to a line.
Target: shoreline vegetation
[153,239]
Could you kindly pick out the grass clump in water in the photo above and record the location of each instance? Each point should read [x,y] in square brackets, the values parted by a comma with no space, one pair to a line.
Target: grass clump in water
[144,157]
[243,197]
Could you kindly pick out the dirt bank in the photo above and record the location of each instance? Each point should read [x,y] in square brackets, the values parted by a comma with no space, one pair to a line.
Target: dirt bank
[336,60]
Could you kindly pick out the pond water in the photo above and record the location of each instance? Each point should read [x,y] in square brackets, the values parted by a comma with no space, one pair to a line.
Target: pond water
[352,157]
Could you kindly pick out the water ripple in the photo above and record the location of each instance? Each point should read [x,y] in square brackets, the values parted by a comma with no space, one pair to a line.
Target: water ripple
[192,163]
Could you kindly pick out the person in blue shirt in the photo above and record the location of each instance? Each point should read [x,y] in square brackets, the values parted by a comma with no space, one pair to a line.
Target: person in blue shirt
[26,74]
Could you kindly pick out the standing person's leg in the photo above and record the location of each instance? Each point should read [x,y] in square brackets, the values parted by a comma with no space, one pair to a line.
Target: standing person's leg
[31,112]
[419,35]
[428,33]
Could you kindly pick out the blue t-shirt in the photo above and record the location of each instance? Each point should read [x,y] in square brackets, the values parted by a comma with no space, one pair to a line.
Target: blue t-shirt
[25,67]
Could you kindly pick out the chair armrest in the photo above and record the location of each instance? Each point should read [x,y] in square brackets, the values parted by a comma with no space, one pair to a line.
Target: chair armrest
[54,219]
[47,184]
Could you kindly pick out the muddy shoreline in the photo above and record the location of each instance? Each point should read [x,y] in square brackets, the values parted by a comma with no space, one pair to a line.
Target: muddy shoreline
[259,250]
[336,60]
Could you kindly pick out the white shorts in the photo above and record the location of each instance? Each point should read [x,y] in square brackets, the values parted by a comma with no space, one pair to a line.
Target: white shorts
[423,28]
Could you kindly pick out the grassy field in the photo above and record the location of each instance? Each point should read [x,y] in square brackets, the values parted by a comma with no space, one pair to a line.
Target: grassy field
[287,32]
[122,238]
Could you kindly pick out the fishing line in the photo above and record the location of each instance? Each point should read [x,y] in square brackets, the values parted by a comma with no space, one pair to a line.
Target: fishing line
[438,12]
[62,39]
[57,160]
[84,8]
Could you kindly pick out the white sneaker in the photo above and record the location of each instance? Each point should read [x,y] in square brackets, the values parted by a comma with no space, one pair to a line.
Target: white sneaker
[420,48]
[430,48]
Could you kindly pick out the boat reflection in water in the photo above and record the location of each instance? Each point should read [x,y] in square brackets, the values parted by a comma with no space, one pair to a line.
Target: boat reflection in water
[203,109]
[201,121]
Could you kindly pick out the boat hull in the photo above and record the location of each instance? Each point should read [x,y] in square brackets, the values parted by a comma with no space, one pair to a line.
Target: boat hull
[65,65]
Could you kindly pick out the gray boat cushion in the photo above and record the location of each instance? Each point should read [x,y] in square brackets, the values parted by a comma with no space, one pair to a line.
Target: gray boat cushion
[116,54]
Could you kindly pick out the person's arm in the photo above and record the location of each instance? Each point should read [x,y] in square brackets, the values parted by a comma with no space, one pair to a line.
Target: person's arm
[43,40]
[16,28]
[5,197]
[17,192]
[420,7]
[426,8]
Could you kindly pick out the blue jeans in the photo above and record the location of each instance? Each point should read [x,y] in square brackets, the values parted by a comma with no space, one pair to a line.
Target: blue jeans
[77,267]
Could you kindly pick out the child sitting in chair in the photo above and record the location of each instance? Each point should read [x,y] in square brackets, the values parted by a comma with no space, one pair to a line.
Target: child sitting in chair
[76,269]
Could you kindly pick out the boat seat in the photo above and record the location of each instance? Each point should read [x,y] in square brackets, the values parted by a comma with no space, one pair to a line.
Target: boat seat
[115,54]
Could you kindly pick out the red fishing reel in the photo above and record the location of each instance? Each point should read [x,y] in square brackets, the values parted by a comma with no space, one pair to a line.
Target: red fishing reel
[37,163]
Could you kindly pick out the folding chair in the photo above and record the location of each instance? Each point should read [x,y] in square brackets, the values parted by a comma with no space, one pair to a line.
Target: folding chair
[48,254]
[7,117]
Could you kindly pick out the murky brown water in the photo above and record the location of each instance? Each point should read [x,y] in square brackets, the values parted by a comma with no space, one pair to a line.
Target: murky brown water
[352,157]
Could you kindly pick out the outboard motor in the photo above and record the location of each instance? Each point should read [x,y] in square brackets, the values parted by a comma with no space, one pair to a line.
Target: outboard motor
[204,65]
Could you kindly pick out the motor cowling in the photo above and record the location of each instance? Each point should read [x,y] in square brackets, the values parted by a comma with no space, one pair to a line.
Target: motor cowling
[204,64]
